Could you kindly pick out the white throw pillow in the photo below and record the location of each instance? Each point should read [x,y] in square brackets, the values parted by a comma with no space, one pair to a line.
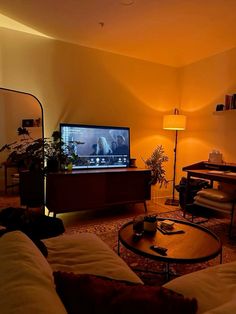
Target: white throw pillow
[27,284]
[216,195]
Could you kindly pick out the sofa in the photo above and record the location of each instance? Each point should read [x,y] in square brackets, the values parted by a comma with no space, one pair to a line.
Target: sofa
[213,287]
[26,276]
[87,267]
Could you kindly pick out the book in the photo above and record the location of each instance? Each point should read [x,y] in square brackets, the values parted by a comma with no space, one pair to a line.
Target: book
[228,100]
[174,230]
[167,224]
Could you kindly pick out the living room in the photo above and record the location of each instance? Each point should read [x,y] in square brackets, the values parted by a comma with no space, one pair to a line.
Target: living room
[78,83]
[84,85]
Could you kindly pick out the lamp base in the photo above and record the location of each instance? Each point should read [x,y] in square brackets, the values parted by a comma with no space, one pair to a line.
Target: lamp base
[172,202]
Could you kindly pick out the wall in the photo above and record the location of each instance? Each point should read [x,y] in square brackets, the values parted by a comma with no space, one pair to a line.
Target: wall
[203,85]
[77,84]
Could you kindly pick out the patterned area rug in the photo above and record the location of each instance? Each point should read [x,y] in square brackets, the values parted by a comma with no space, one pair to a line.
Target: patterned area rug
[108,231]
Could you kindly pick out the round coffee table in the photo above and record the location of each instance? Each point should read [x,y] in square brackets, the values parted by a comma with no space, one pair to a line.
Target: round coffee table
[194,245]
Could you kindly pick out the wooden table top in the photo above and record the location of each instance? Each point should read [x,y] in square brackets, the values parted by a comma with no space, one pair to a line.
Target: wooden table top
[215,175]
[196,244]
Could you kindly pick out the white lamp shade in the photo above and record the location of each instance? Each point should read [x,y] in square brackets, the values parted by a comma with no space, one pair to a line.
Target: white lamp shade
[174,122]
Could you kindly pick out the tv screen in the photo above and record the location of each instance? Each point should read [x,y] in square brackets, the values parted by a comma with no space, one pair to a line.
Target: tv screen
[92,146]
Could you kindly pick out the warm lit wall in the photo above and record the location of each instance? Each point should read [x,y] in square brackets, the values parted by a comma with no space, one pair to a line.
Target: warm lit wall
[14,107]
[83,85]
[203,85]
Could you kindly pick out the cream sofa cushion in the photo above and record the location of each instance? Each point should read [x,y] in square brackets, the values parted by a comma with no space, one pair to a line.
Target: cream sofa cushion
[213,287]
[216,195]
[86,253]
[221,206]
[26,280]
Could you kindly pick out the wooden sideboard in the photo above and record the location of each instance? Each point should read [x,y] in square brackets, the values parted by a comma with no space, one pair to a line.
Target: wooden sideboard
[91,189]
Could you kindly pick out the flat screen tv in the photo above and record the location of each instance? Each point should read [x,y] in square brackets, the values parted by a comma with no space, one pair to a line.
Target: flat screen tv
[95,146]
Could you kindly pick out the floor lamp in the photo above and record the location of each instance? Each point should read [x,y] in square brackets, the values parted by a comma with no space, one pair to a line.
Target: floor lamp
[174,122]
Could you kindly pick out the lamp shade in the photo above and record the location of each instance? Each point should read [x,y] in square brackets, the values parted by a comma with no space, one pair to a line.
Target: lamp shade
[174,122]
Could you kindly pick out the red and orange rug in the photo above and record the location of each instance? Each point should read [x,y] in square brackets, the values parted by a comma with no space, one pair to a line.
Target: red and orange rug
[108,232]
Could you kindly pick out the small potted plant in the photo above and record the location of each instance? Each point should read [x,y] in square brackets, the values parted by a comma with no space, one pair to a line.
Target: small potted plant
[26,153]
[150,223]
[53,154]
[155,164]
[30,154]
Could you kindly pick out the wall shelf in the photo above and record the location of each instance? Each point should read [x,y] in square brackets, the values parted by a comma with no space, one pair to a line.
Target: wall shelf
[222,112]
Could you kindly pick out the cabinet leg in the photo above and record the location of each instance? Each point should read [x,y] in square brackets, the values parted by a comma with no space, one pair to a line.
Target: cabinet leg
[145,206]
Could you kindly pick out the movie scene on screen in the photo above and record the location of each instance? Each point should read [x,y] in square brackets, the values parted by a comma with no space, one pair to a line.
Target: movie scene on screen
[92,146]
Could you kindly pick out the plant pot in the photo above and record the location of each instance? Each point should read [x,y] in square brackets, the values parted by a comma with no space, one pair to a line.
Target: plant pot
[52,165]
[150,226]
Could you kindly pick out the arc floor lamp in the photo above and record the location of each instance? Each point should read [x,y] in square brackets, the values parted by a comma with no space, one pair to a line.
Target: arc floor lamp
[175,122]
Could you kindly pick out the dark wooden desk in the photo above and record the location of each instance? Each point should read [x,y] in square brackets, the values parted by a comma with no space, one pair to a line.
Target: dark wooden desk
[226,176]
[224,172]
[212,176]
[91,189]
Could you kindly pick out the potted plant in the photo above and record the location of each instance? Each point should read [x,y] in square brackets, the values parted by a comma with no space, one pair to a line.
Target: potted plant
[32,154]
[26,153]
[155,164]
[53,154]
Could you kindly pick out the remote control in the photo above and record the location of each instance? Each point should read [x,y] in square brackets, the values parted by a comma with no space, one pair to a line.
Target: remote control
[160,250]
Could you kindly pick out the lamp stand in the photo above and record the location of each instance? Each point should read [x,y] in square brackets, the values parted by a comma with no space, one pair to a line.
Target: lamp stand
[172,201]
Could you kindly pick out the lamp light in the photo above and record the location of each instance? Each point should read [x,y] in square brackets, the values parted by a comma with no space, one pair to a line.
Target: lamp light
[174,122]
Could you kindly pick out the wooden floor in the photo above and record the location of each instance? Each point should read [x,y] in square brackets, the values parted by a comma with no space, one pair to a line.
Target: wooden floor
[121,211]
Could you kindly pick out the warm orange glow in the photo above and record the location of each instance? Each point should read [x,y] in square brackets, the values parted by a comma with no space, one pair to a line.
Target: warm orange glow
[174,122]
[12,24]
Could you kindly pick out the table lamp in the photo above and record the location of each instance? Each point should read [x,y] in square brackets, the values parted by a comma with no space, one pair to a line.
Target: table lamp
[174,122]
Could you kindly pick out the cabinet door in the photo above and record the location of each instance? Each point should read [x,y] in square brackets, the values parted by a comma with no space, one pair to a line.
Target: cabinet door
[70,192]
[90,190]
[127,187]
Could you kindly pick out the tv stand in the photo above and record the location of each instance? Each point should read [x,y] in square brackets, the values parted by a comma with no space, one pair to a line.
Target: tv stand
[91,189]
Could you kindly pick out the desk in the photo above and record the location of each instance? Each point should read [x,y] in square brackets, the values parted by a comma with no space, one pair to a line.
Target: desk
[224,172]
[212,175]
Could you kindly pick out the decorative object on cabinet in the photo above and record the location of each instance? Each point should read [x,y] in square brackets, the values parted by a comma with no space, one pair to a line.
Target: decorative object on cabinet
[215,156]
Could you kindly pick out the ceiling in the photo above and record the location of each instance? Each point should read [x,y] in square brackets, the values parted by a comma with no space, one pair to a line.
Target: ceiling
[170,32]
